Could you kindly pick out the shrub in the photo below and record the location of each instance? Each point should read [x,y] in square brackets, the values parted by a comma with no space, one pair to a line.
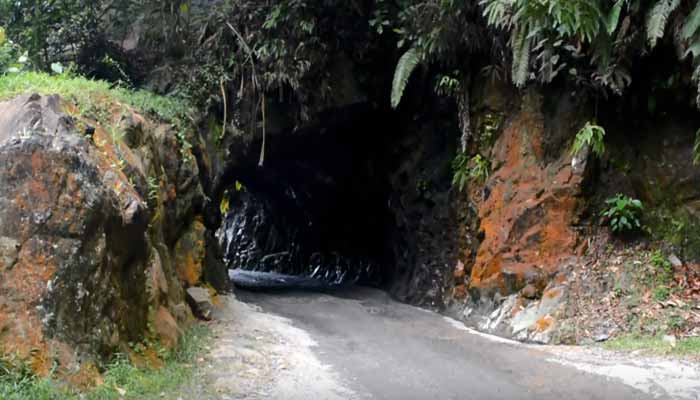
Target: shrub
[623,213]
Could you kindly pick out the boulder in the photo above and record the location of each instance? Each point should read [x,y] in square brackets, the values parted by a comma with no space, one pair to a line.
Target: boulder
[84,252]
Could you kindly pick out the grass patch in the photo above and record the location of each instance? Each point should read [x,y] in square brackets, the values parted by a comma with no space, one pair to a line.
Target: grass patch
[654,345]
[87,93]
[96,100]
[122,380]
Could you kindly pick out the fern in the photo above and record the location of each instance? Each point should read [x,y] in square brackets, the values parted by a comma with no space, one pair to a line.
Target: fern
[614,17]
[591,136]
[657,18]
[407,64]
[497,12]
[521,56]
[691,24]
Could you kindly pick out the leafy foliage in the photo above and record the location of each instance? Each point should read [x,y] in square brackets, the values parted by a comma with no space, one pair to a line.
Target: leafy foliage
[595,40]
[657,18]
[122,380]
[540,27]
[447,84]
[465,169]
[590,136]
[623,213]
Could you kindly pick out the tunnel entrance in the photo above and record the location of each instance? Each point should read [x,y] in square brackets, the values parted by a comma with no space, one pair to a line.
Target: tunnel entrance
[319,206]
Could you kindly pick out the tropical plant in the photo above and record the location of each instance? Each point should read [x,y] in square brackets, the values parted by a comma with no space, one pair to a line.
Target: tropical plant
[593,39]
[538,30]
[657,19]
[623,213]
[465,169]
[447,84]
[590,136]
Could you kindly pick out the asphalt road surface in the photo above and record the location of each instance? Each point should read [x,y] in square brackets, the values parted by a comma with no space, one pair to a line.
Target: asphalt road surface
[382,349]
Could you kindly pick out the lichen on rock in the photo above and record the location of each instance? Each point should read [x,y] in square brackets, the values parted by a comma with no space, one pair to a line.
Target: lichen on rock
[85,256]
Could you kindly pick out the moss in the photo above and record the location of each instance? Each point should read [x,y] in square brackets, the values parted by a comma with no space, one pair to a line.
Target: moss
[675,227]
[122,379]
[102,102]
[87,94]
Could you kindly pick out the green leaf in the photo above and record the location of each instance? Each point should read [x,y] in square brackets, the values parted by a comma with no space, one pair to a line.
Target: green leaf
[692,23]
[614,17]
[405,67]
[3,35]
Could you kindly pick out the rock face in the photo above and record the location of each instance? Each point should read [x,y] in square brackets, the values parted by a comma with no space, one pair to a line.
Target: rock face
[527,213]
[529,206]
[88,230]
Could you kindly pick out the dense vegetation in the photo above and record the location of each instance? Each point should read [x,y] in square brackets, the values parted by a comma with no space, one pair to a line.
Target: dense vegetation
[220,52]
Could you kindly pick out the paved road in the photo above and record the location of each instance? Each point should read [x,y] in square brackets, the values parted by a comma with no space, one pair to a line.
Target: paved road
[382,349]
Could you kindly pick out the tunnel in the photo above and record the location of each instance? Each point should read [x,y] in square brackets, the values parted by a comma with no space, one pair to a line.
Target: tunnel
[361,196]
[319,205]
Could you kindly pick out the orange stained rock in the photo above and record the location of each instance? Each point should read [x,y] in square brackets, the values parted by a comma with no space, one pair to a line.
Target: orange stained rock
[189,254]
[526,219]
[544,323]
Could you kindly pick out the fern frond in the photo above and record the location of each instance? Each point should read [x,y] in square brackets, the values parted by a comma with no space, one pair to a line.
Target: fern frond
[657,18]
[614,16]
[521,56]
[405,67]
[691,24]
[497,12]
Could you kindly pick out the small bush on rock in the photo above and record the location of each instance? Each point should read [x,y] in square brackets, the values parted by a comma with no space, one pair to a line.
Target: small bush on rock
[623,213]
[591,136]
[475,168]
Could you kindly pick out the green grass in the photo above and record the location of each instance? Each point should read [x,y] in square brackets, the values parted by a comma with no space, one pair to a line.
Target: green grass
[654,345]
[88,93]
[119,375]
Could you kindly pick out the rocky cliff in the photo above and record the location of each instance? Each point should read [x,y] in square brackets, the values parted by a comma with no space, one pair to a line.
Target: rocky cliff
[100,232]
